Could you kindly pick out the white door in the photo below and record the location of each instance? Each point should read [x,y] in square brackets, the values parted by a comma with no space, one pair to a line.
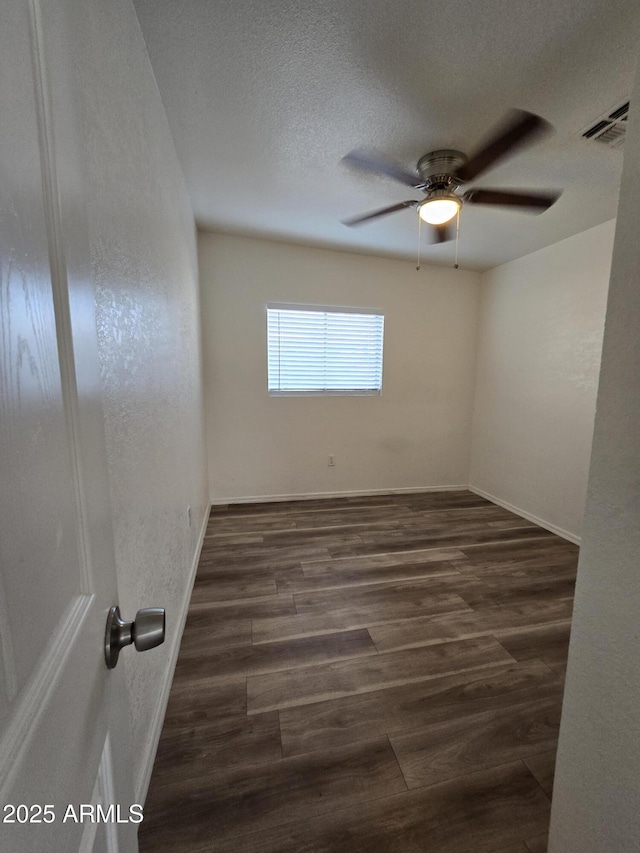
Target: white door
[63,715]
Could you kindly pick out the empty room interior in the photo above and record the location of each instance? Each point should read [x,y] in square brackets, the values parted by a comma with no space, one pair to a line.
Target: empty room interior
[319,328]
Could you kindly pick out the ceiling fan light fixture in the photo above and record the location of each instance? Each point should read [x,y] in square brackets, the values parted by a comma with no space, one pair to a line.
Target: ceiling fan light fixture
[439,209]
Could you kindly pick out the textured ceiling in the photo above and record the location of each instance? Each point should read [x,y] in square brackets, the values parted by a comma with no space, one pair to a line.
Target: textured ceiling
[264,97]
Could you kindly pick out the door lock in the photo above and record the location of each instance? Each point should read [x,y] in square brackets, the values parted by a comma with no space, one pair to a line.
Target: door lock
[145,632]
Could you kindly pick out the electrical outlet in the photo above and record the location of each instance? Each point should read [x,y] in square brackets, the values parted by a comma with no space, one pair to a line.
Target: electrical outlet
[332,460]
[189,515]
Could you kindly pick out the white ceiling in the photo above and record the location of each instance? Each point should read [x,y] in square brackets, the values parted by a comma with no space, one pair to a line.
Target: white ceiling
[264,97]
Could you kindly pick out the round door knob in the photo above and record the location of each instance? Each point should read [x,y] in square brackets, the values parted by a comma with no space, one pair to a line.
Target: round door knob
[146,632]
[148,628]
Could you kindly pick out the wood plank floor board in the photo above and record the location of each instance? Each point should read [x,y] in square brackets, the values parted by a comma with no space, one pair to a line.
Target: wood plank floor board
[232,590]
[369,561]
[506,523]
[217,582]
[332,528]
[543,767]
[266,562]
[213,540]
[190,704]
[208,613]
[331,579]
[413,706]
[415,594]
[193,749]
[214,635]
[247,525]
[363,675]
[324,537]
[486,512]
[485,595]
[479,813]
[516,548]
[469,623]
[510,578]
[333,647]
[506,575]
[398,526]
[361,577]
[355,518]
[235,663]
[240,800]
[262,555]
[537,844]
[436,528]
[268,630]
[470,532]
[407,541]
[556,579]
[531,559]
[442,500]
[549,643]
[462,745]
[217,570]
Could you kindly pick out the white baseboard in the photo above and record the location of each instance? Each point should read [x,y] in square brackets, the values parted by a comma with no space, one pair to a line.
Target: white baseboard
[310,496]
[155,728]
[553,528]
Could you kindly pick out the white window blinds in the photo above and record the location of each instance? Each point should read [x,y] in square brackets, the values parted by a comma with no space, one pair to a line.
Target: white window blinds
[324,350]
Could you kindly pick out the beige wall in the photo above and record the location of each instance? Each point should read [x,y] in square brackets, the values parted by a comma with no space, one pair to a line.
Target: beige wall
[597,783]
[539,345]
[415,435]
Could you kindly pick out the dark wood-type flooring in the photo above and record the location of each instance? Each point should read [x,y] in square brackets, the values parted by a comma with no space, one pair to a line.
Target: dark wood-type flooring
[366,674]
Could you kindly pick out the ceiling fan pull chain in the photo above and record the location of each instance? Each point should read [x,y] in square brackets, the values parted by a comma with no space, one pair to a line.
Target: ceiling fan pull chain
[419,232]
[455,265]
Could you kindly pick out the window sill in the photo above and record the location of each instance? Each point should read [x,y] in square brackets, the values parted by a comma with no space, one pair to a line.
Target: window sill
[371,393]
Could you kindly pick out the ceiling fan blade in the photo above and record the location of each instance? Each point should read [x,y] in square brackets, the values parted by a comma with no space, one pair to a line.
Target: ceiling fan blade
[537,202]
[358,220]
[520,128]
[441,233]
[378,164]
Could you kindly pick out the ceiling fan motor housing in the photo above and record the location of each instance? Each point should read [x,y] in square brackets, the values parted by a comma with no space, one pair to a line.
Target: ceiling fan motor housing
[438,169]
[441,172]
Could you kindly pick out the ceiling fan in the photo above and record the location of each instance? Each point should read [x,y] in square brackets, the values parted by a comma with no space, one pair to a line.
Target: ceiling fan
[440,173]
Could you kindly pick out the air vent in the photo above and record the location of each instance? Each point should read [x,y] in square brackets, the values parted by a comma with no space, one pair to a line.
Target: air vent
[610,128]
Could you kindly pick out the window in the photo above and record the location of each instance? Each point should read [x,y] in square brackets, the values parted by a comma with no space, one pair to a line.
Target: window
[324,350]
